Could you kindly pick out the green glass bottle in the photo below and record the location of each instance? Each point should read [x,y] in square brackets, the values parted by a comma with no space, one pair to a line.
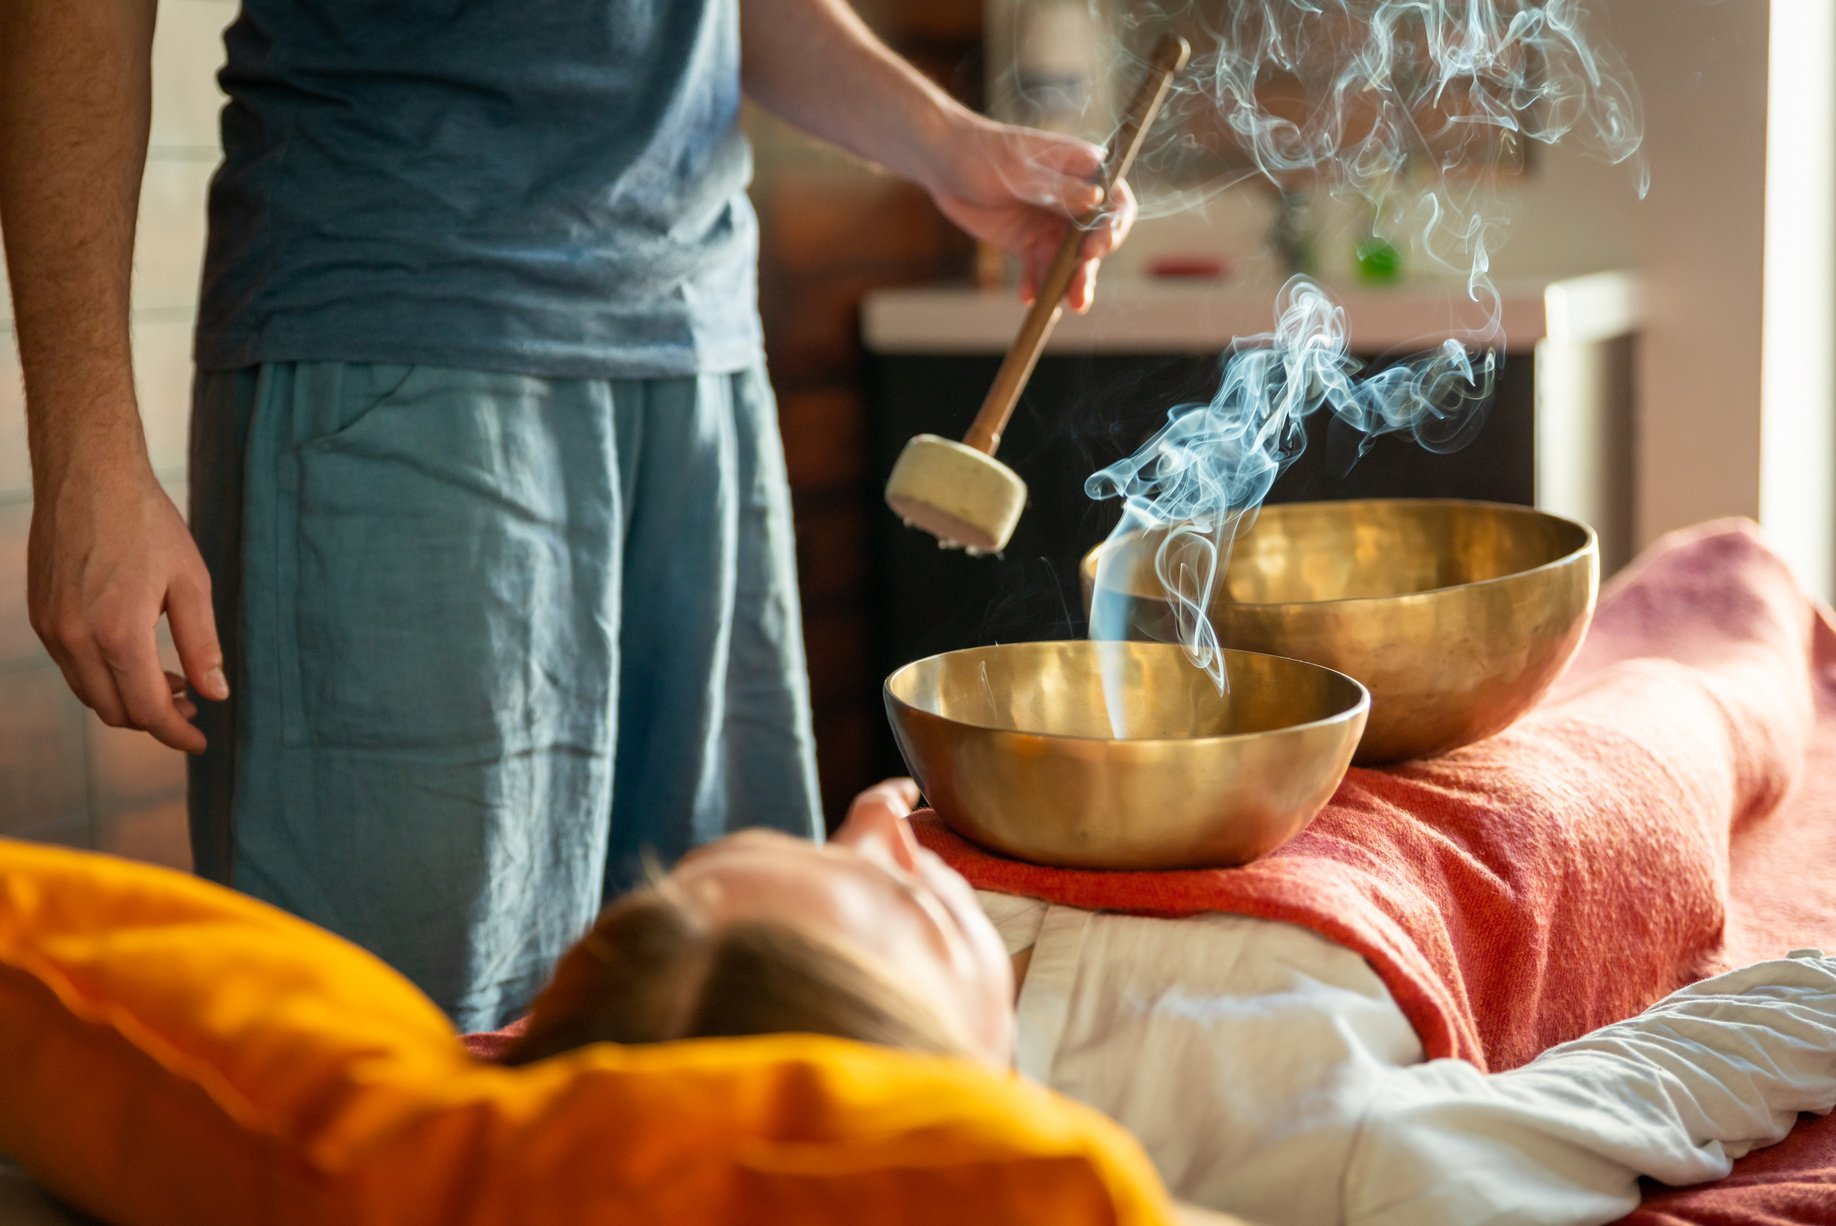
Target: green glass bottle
[1379,262]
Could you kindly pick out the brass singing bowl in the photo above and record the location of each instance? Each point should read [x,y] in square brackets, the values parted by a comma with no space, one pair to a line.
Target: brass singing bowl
[1124,755]
[1456,615]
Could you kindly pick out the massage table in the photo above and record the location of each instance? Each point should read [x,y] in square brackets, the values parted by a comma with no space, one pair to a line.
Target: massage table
[1701,715]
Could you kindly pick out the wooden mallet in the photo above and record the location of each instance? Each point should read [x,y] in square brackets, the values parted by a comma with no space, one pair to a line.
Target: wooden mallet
[958,492]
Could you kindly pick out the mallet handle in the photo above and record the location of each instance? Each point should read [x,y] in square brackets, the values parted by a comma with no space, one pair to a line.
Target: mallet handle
[1168,57]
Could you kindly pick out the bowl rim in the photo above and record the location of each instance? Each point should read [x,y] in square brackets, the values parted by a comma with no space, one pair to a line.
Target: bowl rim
[1362,706]
[1590,544]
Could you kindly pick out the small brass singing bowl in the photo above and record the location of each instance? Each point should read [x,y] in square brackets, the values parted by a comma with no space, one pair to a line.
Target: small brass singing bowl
[1124,755]
[1456,615]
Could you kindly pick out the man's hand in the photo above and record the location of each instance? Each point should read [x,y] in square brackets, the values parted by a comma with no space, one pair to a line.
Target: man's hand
[1019,189]
[814,63]
[108,554]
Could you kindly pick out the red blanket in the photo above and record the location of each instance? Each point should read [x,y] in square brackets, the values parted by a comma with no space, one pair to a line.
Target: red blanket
[1670,810]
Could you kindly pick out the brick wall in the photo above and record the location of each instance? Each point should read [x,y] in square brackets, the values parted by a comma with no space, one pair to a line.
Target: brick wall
[832,229]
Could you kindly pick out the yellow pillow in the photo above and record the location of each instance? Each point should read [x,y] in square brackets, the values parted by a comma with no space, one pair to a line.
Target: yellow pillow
[171,1052]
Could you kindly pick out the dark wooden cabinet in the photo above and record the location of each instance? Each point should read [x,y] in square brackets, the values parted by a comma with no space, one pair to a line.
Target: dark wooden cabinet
[1080,413]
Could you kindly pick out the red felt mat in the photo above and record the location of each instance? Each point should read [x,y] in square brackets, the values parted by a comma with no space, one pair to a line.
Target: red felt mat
[494,1045]
[1670,810]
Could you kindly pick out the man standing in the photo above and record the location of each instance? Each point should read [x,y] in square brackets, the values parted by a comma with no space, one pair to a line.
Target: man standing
[489,581]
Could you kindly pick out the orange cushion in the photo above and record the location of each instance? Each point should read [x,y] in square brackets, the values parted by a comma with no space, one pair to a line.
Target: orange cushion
[171,1052]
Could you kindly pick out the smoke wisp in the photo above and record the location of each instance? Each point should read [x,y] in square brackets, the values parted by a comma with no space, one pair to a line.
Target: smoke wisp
[1391,105]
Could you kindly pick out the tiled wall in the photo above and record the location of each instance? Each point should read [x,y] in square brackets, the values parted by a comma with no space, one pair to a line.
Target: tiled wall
[64,776]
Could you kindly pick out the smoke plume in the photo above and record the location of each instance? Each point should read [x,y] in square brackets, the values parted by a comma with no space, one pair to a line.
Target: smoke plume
[1397,107]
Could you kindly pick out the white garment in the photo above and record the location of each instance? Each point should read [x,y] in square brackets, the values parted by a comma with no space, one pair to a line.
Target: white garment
[1269,1074]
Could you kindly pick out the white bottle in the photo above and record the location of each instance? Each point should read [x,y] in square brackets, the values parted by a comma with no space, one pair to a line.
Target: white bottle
[1055,49]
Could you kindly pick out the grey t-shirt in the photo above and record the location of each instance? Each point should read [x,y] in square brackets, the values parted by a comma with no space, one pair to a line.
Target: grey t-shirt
[549,186]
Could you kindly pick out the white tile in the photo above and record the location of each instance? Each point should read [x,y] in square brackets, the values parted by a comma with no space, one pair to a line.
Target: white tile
[17,642]
[42,777]
[162,379]
[157,833]
[187,52]
[72,831]
[129,770]
[169,245]
[15,470]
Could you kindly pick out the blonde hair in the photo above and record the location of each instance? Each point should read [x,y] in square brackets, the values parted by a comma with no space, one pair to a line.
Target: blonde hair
[651,970]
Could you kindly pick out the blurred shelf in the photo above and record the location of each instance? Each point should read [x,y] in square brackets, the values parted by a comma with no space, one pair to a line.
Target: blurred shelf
[1177,316]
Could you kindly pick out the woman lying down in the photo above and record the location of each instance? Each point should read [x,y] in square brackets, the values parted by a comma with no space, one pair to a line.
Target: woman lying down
[874,938]
[1267,1071]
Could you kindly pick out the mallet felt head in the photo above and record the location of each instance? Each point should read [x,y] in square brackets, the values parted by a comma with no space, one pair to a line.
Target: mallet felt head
[961,496]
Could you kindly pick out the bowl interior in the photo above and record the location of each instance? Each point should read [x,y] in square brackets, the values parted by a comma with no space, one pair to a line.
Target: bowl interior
[1120,691]
[1309,552]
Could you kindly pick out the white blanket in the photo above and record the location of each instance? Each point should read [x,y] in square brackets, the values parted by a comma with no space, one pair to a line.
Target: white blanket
[1269,1074]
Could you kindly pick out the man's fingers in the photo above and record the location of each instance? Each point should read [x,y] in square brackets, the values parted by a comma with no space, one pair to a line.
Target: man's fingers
[1040,247]
[1105,237]
[1032,267]
[92,682]
[1068,155]
[181,698]
[145,693]
[194,633]
[1083,286]
[72,647]
[1041,253]
[1080,198]
[1051,171]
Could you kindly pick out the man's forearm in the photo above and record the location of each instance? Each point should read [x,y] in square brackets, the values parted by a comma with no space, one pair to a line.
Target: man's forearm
[817,65]
[75,86]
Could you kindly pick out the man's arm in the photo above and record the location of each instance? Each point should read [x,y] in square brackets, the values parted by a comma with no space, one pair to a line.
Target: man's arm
[815,64]
[109,552]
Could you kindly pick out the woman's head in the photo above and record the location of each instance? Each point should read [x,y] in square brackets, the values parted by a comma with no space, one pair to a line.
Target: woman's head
[869,937]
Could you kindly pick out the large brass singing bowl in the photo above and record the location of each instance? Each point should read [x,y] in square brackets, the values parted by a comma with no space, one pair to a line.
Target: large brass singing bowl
[1124,755]
[1456,615]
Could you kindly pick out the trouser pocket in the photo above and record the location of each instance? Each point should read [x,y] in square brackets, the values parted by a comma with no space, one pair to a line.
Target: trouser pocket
[450,583]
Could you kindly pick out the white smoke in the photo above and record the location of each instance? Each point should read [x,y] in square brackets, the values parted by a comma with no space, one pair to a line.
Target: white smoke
[1389,104]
